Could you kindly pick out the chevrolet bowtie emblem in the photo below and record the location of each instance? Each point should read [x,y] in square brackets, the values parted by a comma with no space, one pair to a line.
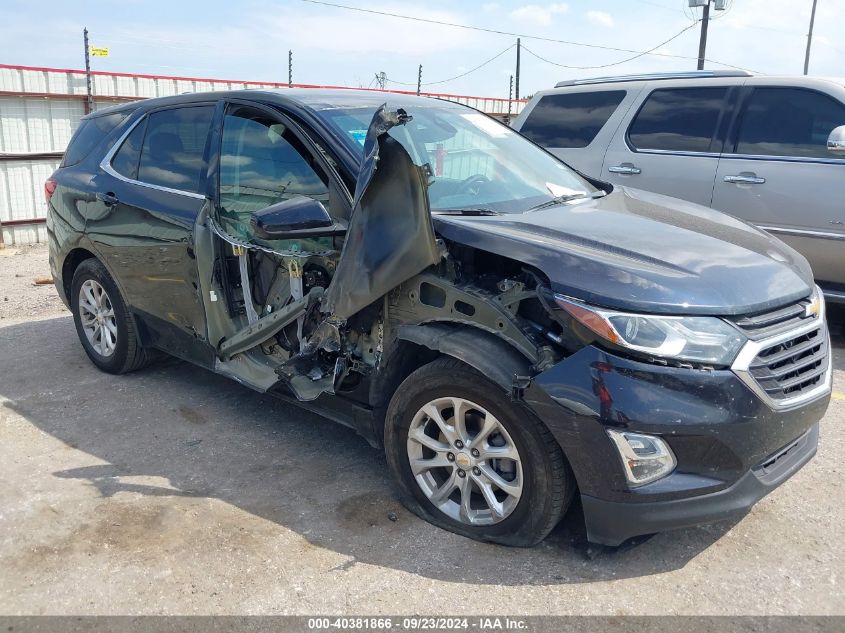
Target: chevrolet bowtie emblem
[814,308]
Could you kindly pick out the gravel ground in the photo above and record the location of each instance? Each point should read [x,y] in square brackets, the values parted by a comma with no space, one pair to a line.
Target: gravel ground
[20,297]
[176,491]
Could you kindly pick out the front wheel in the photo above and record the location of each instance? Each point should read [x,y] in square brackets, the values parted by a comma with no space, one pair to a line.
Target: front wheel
[472,461]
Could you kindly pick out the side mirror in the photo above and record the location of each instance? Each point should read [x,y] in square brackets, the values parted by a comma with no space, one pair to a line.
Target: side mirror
[836,140]
[297,217]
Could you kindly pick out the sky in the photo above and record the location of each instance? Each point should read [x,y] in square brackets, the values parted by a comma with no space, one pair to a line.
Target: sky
[249,40]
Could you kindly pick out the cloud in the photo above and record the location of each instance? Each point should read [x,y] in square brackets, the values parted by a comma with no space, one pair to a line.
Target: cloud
[601,18]
[541,15]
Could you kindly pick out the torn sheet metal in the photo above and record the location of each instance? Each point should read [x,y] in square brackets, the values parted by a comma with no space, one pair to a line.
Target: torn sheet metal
[391,236]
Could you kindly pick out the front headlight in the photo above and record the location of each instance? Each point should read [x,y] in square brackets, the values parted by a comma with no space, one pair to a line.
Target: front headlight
[706,340]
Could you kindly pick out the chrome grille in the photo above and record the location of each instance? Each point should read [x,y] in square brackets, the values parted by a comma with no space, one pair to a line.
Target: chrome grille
[793,366]
[768,324]
[787,360]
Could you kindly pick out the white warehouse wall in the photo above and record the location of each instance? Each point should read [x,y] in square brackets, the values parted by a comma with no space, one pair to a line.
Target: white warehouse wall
[40,108]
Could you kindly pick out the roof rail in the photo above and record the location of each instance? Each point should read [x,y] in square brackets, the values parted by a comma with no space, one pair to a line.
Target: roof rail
[693,74]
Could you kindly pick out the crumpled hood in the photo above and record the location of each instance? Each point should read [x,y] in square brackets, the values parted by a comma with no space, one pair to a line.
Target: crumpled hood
[640,251]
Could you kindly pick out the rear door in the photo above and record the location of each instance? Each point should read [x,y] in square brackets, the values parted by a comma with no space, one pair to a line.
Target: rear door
[777,173]
[578,124]
[672,143]
[148,197]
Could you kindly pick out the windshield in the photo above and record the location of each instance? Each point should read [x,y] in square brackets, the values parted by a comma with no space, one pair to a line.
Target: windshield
[475,162]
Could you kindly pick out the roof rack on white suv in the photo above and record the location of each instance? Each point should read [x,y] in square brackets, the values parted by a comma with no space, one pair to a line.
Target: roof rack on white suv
[700,74]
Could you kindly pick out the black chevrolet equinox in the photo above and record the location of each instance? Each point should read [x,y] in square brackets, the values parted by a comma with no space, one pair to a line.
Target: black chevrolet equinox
[511,332]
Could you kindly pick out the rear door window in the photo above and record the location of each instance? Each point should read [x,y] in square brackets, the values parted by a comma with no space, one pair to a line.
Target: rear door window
[570,120]
[174,146]
[679,120]
[89,134]
[788,122]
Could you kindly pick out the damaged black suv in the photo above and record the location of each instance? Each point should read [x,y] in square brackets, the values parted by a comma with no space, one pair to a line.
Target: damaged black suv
[513,333]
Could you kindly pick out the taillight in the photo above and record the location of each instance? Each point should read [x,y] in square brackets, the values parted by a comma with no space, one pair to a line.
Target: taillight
[49,189]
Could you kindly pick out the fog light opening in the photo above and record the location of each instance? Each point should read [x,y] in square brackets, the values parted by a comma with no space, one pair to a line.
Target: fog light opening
[645,458]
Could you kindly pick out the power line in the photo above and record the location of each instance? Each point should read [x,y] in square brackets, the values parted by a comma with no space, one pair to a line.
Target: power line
[677,35]
[637,56]
[464,74]
[549,61]
[509,33]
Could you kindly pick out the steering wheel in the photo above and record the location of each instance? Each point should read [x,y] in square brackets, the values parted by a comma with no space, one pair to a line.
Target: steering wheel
[472,184]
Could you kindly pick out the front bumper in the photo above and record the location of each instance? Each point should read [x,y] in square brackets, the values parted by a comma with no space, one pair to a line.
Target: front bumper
[613,522]
[723,435]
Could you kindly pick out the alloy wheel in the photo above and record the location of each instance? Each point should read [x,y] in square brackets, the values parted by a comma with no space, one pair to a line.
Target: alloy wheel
[465,461]
[96,314]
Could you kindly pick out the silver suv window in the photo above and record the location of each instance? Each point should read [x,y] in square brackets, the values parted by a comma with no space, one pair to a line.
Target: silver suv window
[678,119]
[788,122]
[570,120]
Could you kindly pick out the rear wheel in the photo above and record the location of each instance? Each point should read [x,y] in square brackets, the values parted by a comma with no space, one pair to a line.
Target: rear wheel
[470,460]
[103,323]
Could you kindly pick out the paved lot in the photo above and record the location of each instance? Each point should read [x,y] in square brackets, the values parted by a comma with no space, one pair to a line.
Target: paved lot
[175,491]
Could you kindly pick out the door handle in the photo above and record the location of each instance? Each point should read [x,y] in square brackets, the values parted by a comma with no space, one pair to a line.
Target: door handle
[109,199]
[745,179]
[625,168]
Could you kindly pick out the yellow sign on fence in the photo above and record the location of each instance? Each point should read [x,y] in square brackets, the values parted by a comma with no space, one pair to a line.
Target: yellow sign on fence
[98,51]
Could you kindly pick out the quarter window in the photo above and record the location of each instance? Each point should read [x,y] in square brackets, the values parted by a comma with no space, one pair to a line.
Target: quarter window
[125,161]
[89,134]
[261,163]
[173,148]
[570,120]
[788,122]
[678,119]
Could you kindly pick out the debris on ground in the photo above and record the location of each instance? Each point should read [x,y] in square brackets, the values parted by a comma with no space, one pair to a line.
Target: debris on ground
[24,295]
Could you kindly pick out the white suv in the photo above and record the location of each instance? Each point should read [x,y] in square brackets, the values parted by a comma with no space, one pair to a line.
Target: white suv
[769,150]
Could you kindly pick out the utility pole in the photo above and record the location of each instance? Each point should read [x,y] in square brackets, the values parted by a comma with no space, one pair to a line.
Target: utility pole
[381,79]
[718,5]
[702,43]
[89,95]
[290,69]
[510,99]
[518,46]
[419,79]
[810,39]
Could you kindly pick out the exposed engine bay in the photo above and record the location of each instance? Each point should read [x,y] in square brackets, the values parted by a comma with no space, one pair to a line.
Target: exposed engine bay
[318,308]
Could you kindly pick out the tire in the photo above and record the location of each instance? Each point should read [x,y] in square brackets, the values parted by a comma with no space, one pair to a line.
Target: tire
[121,352]
[540,480]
